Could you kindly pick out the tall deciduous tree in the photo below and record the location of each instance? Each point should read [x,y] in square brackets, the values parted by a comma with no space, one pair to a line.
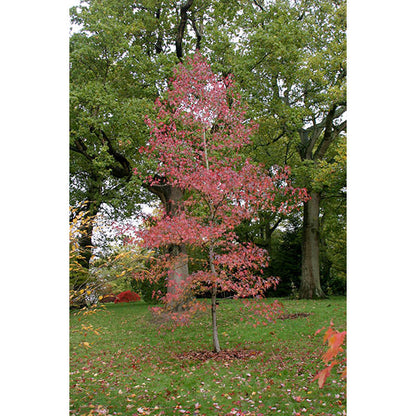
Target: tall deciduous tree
[197,139]
[121,55]
[292,67]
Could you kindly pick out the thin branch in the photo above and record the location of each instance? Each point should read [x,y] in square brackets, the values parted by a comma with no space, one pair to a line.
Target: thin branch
[260,61]
[274,140]
[159,43]
[276,225]
[258,5]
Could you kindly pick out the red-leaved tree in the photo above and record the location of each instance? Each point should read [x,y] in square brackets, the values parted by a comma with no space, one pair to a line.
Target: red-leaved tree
[196,141]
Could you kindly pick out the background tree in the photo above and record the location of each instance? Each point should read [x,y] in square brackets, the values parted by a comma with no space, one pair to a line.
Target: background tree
[286,256]
[121,56]
[292,69]
[331,181]
[103,93]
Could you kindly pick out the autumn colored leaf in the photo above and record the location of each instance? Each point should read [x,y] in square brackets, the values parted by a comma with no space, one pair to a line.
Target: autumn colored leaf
[335,340]
[322,375]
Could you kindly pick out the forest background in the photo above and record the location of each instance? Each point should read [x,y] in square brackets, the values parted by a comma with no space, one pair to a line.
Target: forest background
[381,278]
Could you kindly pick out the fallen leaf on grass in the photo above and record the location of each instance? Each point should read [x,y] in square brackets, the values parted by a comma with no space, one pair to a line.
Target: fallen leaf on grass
[224,355]
[142,411]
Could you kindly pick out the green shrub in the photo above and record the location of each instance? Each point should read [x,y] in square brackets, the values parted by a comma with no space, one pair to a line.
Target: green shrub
[150,291]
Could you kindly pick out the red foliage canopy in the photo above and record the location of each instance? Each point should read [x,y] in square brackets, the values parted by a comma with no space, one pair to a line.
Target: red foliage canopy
[196,142]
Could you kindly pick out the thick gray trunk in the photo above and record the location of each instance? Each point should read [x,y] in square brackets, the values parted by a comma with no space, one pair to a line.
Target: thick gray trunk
[171,198]
[179,270]
[310,287]
[177,275]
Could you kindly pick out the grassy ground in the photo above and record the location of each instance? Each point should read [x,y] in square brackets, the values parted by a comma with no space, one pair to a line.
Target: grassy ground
[122,363]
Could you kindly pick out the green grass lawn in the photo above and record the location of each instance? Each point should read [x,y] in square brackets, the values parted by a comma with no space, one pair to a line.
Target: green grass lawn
[132,366]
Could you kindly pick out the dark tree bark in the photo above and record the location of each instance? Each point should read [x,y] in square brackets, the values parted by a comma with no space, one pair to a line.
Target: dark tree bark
[85,241]
[314,144]
[159,41]
[198,33]
[181,28]
[310,287]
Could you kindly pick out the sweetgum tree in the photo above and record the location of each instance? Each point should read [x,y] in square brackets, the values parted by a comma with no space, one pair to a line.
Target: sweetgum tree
[196,142]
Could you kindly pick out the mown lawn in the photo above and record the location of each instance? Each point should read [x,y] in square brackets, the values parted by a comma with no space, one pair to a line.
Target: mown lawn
[132,366]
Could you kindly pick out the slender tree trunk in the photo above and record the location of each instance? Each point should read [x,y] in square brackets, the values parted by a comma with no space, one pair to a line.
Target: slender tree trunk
[181,28]
[214,320]
[215,339]
[310,287]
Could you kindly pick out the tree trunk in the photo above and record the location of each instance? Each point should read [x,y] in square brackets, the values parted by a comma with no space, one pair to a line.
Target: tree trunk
[214,320]
[85,245]
[177,275]
[80,276]
[91,207]
[171,198]
[310,287]
[215,339]
[181,28]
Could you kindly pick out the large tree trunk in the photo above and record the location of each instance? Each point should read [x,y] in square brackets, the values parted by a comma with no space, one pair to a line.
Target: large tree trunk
[177,276]
[314,144]
[310,287]
[171,198]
